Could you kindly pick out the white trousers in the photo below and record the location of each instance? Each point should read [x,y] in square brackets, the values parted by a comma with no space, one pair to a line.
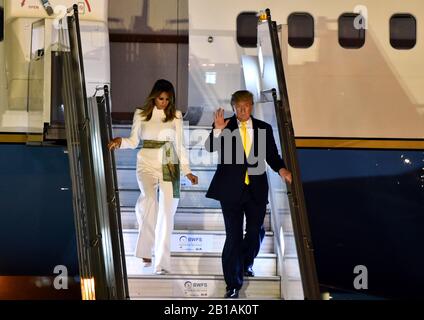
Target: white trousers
[155,216]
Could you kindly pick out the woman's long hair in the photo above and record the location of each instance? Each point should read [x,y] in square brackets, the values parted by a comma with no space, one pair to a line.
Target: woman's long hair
[149,104]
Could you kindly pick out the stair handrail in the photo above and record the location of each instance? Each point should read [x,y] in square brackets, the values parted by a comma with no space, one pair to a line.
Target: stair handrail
[100,244]
[295,193]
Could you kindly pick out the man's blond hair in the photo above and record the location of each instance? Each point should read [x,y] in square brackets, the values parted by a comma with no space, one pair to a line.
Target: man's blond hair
[241,95]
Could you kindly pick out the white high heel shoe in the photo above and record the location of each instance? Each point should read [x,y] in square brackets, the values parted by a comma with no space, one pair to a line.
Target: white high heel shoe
[162,272]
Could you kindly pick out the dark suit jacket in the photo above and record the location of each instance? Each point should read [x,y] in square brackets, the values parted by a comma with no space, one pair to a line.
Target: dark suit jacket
[228,181]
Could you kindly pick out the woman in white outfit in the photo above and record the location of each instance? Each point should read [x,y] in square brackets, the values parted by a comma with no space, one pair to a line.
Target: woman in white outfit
[159,127]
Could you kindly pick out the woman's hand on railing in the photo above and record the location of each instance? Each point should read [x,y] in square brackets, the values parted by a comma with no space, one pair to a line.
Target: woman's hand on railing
[193,179]
[114,143]
[286,175]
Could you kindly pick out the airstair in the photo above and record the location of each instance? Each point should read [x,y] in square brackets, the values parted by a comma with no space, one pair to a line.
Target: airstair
[285,267]
[198,236]
[106,191]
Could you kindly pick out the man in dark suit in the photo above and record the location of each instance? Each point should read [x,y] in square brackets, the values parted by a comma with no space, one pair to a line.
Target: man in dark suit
[240,183]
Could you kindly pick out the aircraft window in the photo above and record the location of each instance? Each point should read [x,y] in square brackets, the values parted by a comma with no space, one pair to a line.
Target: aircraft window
[247,29]
[403,31]
[1,24]
[301,30]
[351,31]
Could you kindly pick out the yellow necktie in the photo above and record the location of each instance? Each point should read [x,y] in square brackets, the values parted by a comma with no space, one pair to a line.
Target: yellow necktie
[246,145]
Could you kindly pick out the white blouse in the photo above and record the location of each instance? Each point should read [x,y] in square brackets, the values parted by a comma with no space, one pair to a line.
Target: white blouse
[156,129]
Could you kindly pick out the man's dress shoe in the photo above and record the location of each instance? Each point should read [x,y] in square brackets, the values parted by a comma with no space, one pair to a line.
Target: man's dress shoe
[249,273]
[232,293]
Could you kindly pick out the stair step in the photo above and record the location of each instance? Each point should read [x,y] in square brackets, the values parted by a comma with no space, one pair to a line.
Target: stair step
[201,264]
[127,178]
[199,157]
[199,236]
[211,264]
[195,241]
[189,286]
[202,219]
[188,219]
[189,198]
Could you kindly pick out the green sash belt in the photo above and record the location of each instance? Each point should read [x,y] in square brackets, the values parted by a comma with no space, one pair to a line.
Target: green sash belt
[170,163]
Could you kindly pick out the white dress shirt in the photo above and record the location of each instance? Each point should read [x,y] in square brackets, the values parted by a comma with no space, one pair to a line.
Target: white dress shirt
[156,129]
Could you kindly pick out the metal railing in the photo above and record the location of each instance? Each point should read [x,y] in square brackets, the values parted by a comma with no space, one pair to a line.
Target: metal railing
[275,89]
[94,184]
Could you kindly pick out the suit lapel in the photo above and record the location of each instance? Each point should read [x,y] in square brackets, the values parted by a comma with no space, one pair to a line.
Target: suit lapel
[233,125]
